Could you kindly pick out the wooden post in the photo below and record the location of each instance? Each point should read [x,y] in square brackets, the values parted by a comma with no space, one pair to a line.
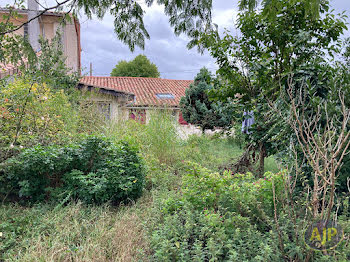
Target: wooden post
[261,159]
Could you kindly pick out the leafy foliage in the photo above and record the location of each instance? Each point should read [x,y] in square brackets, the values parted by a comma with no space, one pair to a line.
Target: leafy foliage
[33,114]
[42,105]
[258,64]
[346,51]
[94,170]
[139,67]
[197,109]
[212,218]
[14,48]
[288,51]
[240,193]
[190,235]
[227,217]
[50,67]
[312,7]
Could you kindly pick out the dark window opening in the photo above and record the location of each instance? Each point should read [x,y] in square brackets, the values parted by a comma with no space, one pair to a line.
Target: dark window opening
[139,115]
[105,109]
[25,29]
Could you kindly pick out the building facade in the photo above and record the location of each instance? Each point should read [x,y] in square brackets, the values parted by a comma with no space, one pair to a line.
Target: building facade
[144,95]
[46,26]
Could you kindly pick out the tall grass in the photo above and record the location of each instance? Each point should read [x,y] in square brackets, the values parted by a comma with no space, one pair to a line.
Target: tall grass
[210,152]
[158,138]
[100,233]
[73,233]
[271,165]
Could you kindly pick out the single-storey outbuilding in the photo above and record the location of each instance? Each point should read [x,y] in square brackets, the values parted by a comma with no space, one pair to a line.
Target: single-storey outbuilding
[135,97]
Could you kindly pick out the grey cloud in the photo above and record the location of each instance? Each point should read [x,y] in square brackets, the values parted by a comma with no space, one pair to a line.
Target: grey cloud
[167,51]
[225,4]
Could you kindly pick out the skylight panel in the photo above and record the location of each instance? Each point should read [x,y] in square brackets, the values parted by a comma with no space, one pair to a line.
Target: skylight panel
[165,96]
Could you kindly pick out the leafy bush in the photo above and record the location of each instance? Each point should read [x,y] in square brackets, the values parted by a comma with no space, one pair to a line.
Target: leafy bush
[94,170]
[240,193]
[218,217]
[234,217]
[191,235]
[32,114]
[40,106]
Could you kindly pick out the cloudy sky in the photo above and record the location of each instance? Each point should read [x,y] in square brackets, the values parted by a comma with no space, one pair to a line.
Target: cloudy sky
[101,47]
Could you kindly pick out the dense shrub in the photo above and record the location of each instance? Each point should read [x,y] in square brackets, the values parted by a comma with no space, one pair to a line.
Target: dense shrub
[239,193]
[94,170]
[192,235]
[218,217]
[32,114]
[231,217]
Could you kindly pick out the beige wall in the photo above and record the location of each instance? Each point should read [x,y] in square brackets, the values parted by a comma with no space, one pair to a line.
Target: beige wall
[117,109]
[118,105]
[49,24]
[107,99]
[125,112]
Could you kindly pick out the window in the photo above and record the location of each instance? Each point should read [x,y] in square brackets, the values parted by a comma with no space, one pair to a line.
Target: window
[165,96]
[25,29]
[105,109]
[138,115]
[42,30]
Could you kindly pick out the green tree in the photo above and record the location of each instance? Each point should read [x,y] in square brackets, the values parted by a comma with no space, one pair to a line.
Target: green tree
[346,51]
[141,66]
[197,109]
[39,106]
[285,68]
[257,63]
[312,7]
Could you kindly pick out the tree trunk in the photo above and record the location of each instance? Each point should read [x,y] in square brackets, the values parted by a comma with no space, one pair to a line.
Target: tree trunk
[261,159]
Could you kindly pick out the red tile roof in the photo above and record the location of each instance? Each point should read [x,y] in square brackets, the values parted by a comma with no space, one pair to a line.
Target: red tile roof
[144,89]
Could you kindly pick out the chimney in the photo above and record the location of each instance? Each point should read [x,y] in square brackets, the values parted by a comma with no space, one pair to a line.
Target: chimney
[33,26]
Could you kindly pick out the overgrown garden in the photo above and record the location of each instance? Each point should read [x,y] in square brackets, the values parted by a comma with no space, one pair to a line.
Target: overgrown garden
[77,187]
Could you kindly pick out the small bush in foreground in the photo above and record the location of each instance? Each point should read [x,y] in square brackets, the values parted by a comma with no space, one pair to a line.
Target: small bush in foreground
[217,217]
[192,235]
[94,170]
[234,217]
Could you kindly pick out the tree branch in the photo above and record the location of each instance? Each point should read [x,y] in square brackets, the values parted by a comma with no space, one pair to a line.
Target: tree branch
[35,17]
